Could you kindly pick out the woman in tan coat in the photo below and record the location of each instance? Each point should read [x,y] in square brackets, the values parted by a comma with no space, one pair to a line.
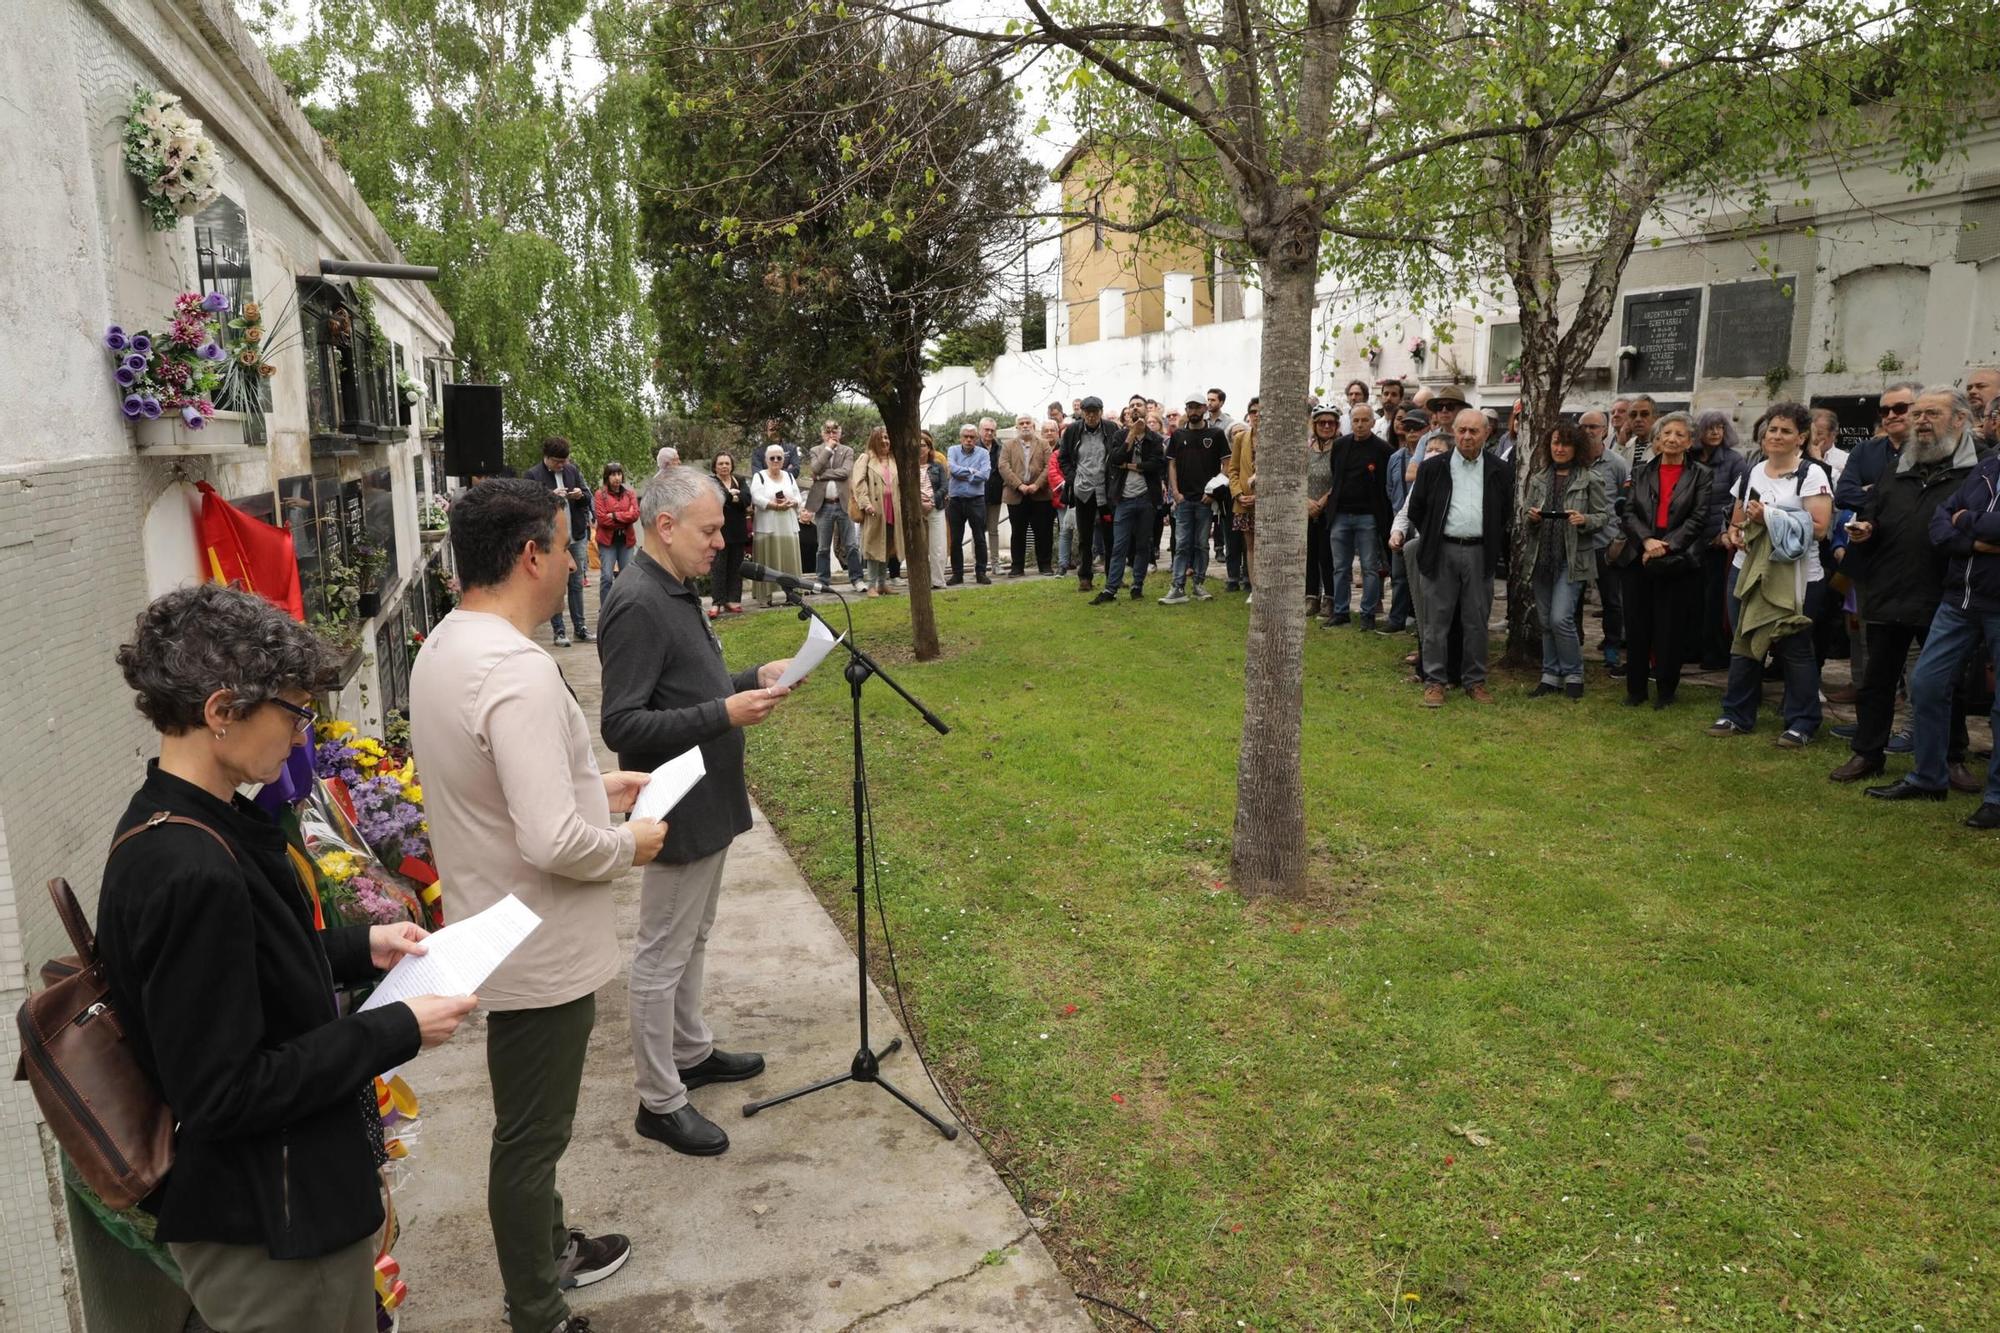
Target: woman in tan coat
[1242,472]
[874,499]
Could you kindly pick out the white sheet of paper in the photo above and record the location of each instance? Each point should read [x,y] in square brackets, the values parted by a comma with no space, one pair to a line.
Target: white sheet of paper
[671,781]
[819,642]
[458,958]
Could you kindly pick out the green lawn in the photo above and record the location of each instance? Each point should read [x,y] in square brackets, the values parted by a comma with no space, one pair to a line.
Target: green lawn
[1726,1029]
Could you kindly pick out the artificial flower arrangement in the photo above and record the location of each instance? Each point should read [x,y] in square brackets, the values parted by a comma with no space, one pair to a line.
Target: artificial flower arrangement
[433,513]
[176,371]
[170,151]
[369,838]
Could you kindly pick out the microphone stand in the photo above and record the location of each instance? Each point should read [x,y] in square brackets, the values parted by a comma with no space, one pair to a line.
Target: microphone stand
[867,1063]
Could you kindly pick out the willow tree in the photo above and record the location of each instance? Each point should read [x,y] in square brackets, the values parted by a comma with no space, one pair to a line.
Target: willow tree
[856,180]
[490,142]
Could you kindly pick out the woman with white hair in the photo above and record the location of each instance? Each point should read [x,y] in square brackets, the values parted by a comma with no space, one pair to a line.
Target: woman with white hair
[775,499]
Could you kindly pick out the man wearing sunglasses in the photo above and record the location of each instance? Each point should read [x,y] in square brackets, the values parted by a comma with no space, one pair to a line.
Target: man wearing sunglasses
[1876,458]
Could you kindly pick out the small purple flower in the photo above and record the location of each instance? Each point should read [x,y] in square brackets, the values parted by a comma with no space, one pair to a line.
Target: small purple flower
[215,301]
[134,405]
[135,363]
[141,343]
[211,351]
[125,376]
[192,418]
[150,408]
[115,340]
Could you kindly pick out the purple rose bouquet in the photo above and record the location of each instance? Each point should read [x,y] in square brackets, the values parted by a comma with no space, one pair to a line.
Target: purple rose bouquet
[178,371]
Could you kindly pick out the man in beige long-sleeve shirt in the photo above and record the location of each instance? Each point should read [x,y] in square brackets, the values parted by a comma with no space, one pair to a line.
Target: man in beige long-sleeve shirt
[517,805]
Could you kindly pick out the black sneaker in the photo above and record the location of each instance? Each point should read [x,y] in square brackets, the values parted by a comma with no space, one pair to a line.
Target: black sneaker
[1137,592]
[1106,596]
[576,1323]
[590,1259]
[985,580]
[1368,624]
[1340,618]
[1573,690]
[1986,816]
[583,636]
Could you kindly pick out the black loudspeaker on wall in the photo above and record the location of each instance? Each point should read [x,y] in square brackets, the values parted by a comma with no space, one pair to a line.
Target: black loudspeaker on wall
[472,430]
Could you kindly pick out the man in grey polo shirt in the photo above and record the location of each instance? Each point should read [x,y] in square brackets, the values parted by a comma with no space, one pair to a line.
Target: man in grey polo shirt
[666,690]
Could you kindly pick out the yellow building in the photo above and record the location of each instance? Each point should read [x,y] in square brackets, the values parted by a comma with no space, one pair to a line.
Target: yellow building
[1120,283]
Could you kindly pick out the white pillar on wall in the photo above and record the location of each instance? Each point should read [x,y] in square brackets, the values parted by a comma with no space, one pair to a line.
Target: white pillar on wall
[1111,313]
[1180,301]
[1253,298]
[1948,316]
[1056,321]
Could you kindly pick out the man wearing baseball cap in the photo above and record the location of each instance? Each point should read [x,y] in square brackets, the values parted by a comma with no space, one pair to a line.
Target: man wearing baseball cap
[1411,427]
[1085,442]
[1194,458]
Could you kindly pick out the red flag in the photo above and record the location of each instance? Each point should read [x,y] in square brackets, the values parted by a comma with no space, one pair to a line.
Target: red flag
[248,553]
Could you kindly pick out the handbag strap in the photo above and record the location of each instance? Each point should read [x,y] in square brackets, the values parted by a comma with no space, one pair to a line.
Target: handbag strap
[80,933]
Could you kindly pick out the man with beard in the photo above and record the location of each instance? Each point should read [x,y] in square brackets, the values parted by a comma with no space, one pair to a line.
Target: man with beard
[1967,528]
[1890,554]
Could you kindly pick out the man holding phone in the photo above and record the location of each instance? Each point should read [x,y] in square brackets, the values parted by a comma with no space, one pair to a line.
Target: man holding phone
[555,472]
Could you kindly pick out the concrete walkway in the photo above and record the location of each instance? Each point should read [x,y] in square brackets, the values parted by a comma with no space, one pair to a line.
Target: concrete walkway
[841,1211]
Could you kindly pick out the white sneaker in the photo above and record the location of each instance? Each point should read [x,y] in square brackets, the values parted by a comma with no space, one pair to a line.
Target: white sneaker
[1174,598]
[562,640]
[1248,598]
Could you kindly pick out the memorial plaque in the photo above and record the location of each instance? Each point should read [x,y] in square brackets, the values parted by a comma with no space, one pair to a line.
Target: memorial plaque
[326,501]
[1665,327]
[1858,414]
[1749,329]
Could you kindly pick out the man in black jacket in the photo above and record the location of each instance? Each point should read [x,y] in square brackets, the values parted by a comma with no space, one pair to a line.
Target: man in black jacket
[1891,556]
[1085,443]
[1358,509]
[556,472]
[666,690]
[1135,472]
[1463,506]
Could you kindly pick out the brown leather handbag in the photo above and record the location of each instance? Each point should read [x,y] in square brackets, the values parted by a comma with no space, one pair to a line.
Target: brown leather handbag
[101,1106]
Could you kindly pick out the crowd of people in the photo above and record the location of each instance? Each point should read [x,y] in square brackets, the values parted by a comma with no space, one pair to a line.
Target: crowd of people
[1752,556]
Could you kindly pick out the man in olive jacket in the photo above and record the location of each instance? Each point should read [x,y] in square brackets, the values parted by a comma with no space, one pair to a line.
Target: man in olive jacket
[666,691]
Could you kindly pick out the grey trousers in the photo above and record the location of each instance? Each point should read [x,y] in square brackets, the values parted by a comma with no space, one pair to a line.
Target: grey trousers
[1460,591]
[1416,580]
[676,910]
[242,1289]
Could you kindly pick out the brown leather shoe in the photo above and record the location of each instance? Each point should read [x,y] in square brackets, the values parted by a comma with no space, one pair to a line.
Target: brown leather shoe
[1434,695]
[1963,779]
[1479,694]
[1856,768]
[1083,584]
[1846,694]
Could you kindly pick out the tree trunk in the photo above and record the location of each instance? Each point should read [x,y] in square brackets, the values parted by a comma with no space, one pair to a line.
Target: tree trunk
[1268,852]
[902,413]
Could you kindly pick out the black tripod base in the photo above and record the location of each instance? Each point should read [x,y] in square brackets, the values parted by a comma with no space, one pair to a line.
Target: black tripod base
[867,1068]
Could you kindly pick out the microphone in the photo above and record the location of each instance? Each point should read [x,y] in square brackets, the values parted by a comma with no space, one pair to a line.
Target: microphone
[757,573]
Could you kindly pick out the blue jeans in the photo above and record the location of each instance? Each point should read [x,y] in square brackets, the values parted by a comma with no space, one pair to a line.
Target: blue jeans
[1954,636]
[611,562]
[1556,602]
[1131,530]
[1066,541]
[579,554]
[1354,535]
[1795,655]
[835,526]
[1191,542]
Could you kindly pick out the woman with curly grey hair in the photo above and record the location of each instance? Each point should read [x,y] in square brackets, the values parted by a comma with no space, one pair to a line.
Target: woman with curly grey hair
[224,981]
